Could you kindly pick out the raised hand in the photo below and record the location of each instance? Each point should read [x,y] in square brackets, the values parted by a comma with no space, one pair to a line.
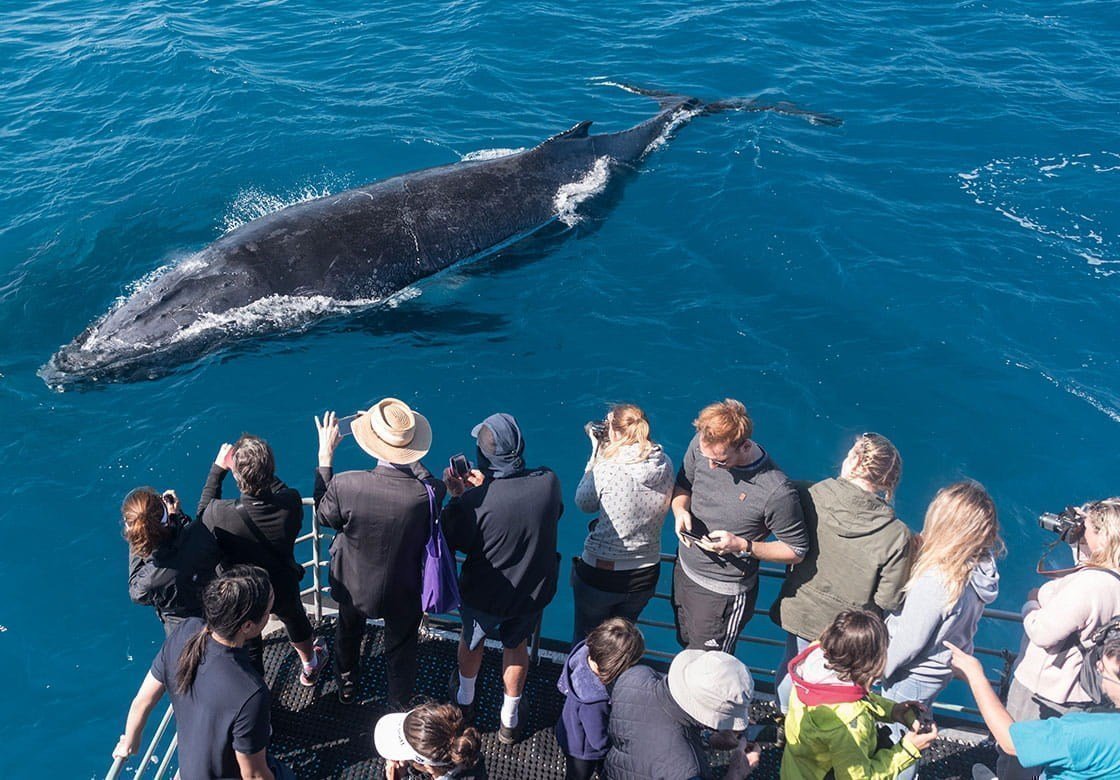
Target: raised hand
[329,437]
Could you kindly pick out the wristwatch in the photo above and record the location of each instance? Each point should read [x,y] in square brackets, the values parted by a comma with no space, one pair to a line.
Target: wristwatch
[749,552]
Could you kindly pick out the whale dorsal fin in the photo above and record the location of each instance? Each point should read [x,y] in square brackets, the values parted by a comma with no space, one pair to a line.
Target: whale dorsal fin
[577,131]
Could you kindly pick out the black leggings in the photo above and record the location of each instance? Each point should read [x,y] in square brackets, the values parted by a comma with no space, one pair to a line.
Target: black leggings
[290,610]
[581,768]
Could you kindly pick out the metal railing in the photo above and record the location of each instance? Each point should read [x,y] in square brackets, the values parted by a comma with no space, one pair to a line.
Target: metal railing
[318,589]
[1001,683]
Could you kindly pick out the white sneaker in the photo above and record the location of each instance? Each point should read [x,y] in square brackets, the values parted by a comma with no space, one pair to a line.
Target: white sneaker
[981,772]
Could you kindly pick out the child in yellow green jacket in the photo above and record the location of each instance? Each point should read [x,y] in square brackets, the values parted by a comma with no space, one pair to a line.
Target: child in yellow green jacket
[831,725]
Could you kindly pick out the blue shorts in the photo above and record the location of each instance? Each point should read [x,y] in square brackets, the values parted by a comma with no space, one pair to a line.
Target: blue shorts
[511,631]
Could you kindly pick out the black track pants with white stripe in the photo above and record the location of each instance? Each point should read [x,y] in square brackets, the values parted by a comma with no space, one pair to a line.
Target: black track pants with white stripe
[707,620]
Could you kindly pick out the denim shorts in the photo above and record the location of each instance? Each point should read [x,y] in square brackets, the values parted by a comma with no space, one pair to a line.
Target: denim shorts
[511,631]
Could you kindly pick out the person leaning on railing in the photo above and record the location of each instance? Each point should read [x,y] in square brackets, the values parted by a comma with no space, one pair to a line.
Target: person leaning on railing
[1072,746]
[729,498]
[859,552]
[221,703]
[628,481]
[953,579]
[1058,620]
[171,558]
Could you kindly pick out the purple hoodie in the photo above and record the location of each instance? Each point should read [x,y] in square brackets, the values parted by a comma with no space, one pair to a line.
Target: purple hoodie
[582,729]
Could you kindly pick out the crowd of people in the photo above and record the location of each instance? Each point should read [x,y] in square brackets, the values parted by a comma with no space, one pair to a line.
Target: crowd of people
[878,618]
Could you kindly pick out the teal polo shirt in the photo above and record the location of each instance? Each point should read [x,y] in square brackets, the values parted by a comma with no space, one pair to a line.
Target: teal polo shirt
[1079,746]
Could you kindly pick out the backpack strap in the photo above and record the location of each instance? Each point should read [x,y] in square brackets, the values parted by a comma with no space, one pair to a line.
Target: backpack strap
[284,562]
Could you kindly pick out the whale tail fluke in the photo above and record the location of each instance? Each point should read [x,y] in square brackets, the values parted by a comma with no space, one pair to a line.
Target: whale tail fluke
[671,99]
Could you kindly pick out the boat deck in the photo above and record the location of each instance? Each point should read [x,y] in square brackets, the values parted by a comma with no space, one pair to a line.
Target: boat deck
[322,738]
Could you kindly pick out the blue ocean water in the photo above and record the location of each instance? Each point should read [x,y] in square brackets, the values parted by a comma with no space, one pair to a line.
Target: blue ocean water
[941,268]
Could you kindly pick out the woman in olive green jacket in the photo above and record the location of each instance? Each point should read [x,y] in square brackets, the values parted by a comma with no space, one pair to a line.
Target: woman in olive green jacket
[859,556]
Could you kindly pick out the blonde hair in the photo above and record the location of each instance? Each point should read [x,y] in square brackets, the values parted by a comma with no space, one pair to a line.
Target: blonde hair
[1105,517]
[878,461]
[725,422]
[632,427]
[961,527]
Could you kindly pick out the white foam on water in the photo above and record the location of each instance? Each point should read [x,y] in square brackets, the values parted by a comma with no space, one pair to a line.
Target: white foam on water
[569,196]
[283,312]
[252,203]
[1078,392]
[682,116]
[1059,199]
[490,154]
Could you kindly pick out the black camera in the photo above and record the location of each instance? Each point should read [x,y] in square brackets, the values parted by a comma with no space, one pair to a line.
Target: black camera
[1069,525]
[596,428]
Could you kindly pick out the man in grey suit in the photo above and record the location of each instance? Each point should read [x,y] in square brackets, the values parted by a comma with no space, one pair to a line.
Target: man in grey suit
[382,517]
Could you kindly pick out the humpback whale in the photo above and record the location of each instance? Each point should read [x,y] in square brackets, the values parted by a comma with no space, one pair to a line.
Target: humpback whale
[343,252]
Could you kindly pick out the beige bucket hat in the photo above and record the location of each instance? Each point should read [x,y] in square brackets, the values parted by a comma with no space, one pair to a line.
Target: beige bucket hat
[713,687]
[393,432]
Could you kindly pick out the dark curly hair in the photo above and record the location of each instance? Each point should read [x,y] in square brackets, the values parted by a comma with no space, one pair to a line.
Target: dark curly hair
[855,646]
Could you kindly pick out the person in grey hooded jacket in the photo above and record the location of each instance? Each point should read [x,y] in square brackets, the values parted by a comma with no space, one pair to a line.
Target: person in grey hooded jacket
[953,579]
[629,482]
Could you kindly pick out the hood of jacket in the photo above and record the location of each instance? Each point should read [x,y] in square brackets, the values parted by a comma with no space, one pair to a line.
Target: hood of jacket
[848,510]
[816,683]
[654,471]
[578,681]
[985,580]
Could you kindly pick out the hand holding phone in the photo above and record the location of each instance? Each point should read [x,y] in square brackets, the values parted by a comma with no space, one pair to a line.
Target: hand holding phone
[459,465]
[346,424]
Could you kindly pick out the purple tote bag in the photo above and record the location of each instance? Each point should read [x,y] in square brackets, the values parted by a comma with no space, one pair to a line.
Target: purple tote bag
[441,581]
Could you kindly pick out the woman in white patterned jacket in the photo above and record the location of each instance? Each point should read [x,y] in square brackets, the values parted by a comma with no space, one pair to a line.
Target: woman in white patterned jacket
[629,483]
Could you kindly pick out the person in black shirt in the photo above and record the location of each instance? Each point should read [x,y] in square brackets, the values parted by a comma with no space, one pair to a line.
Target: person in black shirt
[383,517]
[171,559]
[261,529]
[504,517]
[221,703]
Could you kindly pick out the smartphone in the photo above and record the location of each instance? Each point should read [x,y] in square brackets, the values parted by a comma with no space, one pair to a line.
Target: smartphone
[923,720]
[695,537]
[459,465]
[345,424]
[227,464]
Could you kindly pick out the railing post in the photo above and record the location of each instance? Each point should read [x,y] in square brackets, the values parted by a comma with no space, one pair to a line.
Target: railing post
[315,574]
[1005,675]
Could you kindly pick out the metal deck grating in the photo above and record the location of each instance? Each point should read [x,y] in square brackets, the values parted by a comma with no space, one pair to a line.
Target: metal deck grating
[322,738]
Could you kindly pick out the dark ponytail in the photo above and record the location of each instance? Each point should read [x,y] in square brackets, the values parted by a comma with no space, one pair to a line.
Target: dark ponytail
[238,595]
[439,733]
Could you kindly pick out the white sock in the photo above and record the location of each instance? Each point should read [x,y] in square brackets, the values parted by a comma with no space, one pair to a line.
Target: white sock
[466,688]
[509,710]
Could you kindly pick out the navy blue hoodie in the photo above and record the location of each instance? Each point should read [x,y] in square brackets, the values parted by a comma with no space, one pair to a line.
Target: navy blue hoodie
[582,730]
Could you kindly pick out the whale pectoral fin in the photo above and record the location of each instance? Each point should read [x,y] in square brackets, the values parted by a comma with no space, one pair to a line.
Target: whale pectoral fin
[577,131]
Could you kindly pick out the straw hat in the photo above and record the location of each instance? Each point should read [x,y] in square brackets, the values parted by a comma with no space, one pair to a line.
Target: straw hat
[713,687]
[392,432]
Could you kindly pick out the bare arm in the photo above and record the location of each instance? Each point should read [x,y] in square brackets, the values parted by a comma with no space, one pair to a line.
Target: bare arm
[776,552]
[254,766]
[995,715]
[151,691]
[682,512]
